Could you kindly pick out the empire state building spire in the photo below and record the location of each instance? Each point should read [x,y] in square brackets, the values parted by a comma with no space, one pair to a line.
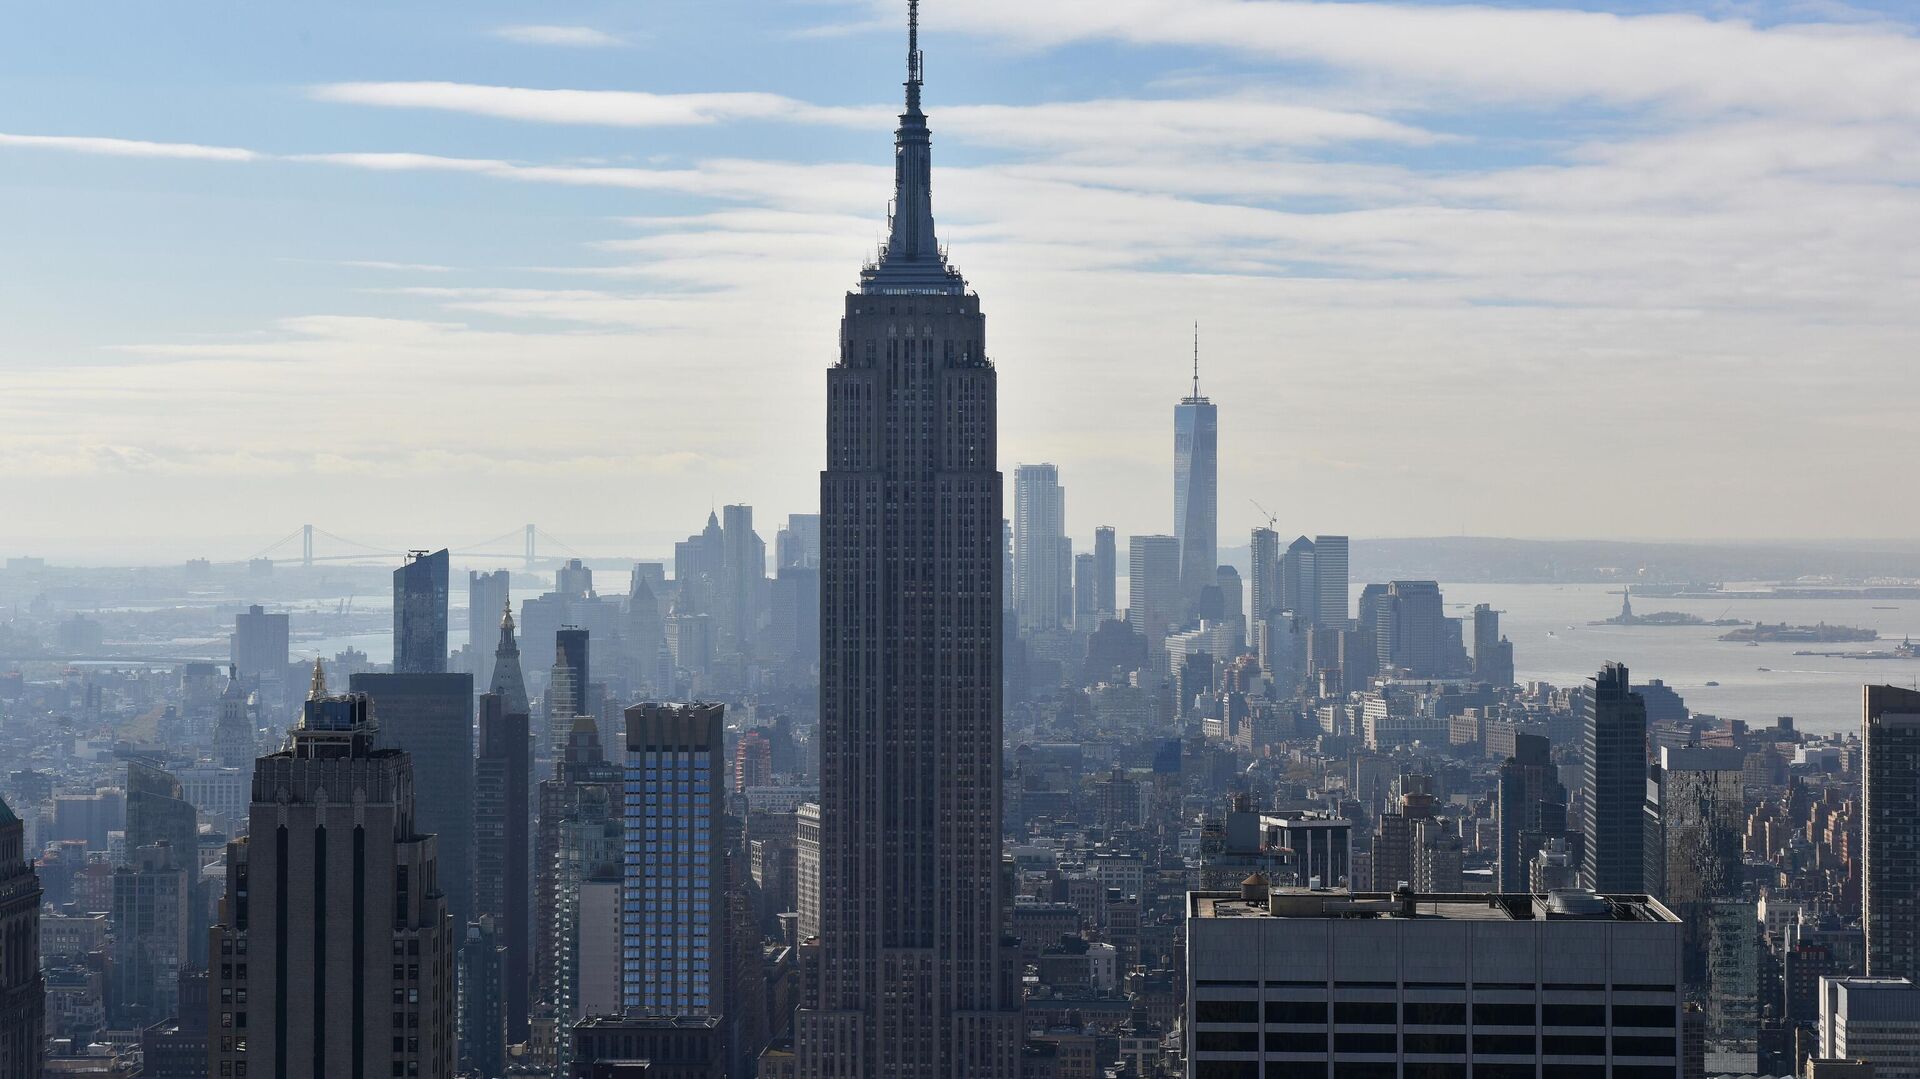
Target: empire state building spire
[911,261]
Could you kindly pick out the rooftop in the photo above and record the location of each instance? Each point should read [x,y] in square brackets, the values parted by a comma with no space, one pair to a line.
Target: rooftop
[1341,904]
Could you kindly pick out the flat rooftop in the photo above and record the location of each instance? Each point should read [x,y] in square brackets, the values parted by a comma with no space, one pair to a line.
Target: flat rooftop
[1338,904]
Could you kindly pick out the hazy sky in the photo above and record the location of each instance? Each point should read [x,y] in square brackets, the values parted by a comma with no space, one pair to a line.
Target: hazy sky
[421,272]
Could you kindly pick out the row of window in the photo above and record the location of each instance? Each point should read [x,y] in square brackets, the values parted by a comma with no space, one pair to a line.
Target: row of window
[1386,1042]
[1433,1013]
[1356,1069]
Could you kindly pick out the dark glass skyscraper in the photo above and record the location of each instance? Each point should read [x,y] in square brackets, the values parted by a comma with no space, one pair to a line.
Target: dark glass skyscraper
[1615,784]
[1890,806]
[430,716]
[420,614]
[1196,485]
[914,982]
[502,848]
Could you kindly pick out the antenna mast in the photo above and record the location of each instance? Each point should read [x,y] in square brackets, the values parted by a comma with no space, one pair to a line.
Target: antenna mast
[915,63]
[1196,359]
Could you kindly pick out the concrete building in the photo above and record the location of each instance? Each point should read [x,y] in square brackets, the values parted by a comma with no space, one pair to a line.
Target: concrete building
[260,645]
[806,829]
[1265,551]
[1106,567]
[1890,811]
[334,954]
[914,980]
[1873,1019]
[1323,984]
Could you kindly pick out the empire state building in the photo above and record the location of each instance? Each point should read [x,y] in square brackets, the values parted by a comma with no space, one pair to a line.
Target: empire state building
[914,981]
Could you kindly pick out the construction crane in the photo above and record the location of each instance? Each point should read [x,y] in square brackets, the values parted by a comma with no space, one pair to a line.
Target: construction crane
[1272,519]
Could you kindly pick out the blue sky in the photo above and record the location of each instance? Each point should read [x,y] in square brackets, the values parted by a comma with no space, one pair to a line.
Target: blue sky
[428,270]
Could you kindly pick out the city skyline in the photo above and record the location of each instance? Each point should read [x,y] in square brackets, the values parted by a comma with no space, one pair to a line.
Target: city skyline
[1519,220]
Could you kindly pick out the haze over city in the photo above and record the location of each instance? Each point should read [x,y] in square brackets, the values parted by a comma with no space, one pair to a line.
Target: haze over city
[1628,271]
[1270,540]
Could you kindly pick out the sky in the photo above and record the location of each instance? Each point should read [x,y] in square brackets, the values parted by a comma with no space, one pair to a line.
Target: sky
[420,273]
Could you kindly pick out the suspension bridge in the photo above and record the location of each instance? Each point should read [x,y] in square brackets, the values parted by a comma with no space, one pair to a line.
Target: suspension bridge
[316,544]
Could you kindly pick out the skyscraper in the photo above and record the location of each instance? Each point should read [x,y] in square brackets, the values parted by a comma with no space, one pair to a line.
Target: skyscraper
[672,926]
[487,594]
[502,849]
[1614,784]
[1153,590]
[1332,606]
[1106,573]
[743,566]
[1530,807]
[1410,628]
[1086,594]
[1265,550]
[1298,592]
[798,544]
[1492,653]
[335,951]
[1196,482]
[1039,527]
[260,644]
[23,993]
[1890,810]
[914,981]
[420,614]
[430,717]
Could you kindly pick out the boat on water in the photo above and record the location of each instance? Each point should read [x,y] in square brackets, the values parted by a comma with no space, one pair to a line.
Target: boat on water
[1713,685]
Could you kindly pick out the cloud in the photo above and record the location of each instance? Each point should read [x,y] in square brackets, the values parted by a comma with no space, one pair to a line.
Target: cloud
[619,108]
[1532,58]
[571,37]
[1247,121]
[129,147]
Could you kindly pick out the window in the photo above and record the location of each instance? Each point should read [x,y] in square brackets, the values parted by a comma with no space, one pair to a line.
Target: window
[1574,1045]
[1505,1045]
[1433,1071]
[1296,1011]
[1574,1015]
[1642,1047]
[1503,1015]
[1437,1044]
[1227,1041]
[1435,1013]
[1296,1041]
[1226,1011]
[1364,1042]
[1384,1012]
[1643,1015]
[1226,1069]
[1349,1069]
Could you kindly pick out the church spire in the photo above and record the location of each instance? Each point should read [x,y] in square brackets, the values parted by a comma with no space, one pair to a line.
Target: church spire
[911,261]
[318,690]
